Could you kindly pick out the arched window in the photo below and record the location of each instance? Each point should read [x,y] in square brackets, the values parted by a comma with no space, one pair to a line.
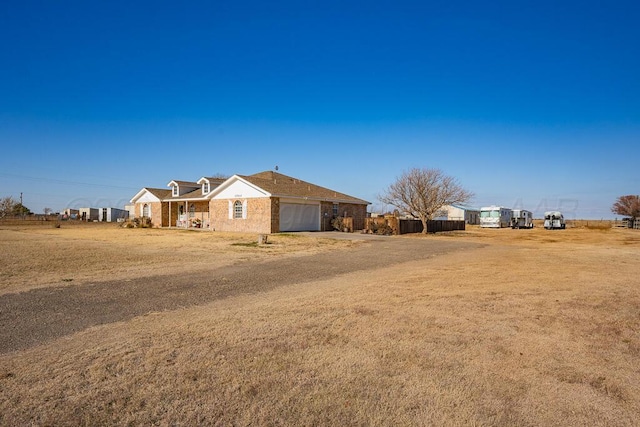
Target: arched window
[145,210]
[237,210]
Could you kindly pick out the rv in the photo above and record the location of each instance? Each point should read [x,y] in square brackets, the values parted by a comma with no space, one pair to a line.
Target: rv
[521,219]
[495,217]
[554,220]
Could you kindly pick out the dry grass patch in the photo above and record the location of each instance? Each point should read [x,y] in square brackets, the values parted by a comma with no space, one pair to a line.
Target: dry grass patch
[33,256]
[520,332]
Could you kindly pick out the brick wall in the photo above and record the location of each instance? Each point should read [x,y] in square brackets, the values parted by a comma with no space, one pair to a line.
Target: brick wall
[349,210]
[155,211]
[258,220]
[275,215]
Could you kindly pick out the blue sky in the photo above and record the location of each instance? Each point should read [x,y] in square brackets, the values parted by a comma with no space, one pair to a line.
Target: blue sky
[532,105]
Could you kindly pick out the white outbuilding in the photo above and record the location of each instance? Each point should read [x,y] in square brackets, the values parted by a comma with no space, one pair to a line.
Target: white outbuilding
[459,213]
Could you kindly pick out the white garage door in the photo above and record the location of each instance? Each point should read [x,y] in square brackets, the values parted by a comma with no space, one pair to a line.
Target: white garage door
[299,217]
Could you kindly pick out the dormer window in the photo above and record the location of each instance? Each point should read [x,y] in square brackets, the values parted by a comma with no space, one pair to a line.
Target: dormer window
[175,191]
[205,187]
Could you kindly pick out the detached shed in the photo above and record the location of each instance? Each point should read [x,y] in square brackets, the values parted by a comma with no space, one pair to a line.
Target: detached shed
[460,213]
[113,214]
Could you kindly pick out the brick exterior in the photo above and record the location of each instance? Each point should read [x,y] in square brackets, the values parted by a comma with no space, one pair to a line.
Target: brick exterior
[258,220]
[348,210]
[155,211]
[262,214]
[275,215]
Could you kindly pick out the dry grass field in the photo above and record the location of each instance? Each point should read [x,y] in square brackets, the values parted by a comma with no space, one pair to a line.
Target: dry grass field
[532,327]
[36,254]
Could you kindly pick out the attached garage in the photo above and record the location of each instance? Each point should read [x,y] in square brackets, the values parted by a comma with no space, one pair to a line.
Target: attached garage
[299,216]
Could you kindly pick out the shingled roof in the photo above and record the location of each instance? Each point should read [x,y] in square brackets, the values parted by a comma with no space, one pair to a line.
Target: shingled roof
[160,193]
[281,185]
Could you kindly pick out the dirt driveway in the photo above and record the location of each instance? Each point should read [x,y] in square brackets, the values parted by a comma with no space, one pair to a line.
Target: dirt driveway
[41,315]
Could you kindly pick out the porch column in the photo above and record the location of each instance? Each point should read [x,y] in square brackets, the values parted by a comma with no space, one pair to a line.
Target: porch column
[169,213]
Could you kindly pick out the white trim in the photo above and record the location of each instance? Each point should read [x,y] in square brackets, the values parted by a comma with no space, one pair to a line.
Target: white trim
[255,190]
[142,193]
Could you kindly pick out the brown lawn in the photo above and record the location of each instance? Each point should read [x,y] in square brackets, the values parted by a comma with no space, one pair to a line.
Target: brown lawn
[534,328]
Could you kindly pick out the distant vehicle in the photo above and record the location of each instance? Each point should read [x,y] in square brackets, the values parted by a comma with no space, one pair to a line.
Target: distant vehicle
[554,220]
[521,219]
[495,217]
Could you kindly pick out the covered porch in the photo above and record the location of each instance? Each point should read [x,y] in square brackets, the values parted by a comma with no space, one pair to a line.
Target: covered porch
[186,214]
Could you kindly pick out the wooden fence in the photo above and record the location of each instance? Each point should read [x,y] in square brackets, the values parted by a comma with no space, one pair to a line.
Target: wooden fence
[393,225]
[437,226]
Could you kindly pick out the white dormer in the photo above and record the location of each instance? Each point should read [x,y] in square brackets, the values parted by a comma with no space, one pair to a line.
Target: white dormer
[208,184]
[180,188]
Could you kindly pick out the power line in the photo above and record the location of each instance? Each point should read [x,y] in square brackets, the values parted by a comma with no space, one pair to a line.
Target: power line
[62,181]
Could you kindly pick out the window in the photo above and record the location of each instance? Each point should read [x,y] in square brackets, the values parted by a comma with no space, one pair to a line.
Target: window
[192,210]
[237,210]
[174,190]
[205,187]
[145,210]
[335,209]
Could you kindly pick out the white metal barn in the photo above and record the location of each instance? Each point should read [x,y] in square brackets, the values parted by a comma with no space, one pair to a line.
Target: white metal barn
[88,214]
[460,213]
[113,214]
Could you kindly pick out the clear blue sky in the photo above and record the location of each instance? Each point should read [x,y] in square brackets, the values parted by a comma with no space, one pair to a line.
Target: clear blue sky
[528,104]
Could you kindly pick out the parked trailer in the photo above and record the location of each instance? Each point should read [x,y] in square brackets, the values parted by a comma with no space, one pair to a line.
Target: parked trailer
[495,217]
[554,220]
[521,219]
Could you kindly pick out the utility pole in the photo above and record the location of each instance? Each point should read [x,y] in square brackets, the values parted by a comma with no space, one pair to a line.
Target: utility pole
[21,207]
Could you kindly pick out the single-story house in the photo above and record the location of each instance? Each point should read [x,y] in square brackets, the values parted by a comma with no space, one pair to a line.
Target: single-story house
[266,202]
[459,213]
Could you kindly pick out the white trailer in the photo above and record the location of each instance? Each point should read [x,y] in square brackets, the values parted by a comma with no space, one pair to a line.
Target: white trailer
[554,220]
[495,217]
[521,219]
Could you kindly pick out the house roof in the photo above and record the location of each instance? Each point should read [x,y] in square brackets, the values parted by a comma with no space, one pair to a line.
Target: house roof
[160,193]
[192,195]
[274,183]
[184,183]
[285,186]
[212,180]
[464,207]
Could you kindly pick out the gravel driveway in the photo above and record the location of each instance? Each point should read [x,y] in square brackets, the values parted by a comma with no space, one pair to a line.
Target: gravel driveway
[41,315]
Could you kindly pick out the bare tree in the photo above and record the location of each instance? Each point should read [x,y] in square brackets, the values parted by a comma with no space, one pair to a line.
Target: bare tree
[47,211]
[7,205]
[627,206]
[421,193]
